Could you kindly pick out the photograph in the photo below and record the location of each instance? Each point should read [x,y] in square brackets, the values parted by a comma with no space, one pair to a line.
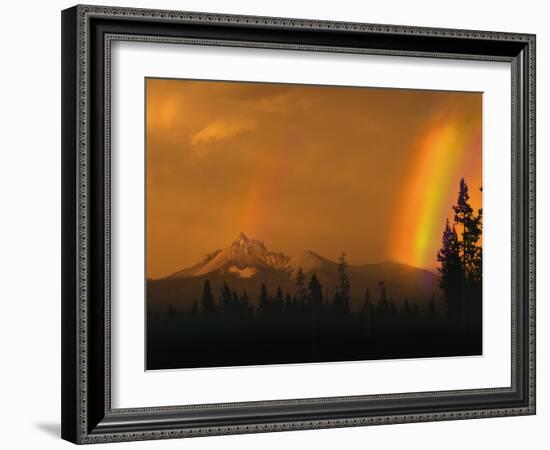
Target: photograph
[283,219]
[296,223]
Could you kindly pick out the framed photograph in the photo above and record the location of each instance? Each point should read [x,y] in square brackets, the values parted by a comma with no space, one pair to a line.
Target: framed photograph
[279,224]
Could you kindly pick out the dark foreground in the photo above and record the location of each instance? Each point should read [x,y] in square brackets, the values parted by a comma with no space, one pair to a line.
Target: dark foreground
[183,341]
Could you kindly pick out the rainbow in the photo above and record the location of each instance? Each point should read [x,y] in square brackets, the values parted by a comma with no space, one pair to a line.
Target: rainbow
[447,150]
[256,219]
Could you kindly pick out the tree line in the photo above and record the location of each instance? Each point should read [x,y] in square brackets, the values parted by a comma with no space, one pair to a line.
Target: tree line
[307,307]
[460,279]
[307,325]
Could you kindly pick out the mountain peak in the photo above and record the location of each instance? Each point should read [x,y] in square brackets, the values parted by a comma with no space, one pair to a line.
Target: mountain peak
[309,261]
[244,257]
[242,238]
[244,242]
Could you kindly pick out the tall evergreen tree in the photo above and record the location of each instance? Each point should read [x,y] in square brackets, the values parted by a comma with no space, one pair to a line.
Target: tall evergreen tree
[431,313]
[366,300]
[236,309]
[207,301]
[406,309]
[278,304]
[463,290]
[289,306]
[471,229]
[245,305]
[474,281]
[383,303]
[476,269]
[301,294]
[195,310]
[343,280]
[367,311]
[226,299]
[451,273]
[315,292]
[342,295]
[172,312]
[263,301]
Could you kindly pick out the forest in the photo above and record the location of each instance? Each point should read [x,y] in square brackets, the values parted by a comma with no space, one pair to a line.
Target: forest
[230,328]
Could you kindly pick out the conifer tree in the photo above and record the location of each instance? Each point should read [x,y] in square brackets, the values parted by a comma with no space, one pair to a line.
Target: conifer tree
[244,301]
[342,295]
[278,304]
[301,294]
[315,292]
[478,256]
[195,310]
[236,304]
[431,313]
[406,310]
[343,286]
[207,301]
[226,299]
[383,303]
[315,295]
[367,311]
[263,302]
[366,300]
[461,283]
[471,229]
[289,310]
[451,273]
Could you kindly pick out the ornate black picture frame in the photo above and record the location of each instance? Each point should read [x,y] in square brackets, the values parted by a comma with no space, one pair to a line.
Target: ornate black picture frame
[87,34]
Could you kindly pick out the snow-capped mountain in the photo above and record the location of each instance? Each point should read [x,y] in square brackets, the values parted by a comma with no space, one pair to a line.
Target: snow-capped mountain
[310,262]
[243,257]
[247,263]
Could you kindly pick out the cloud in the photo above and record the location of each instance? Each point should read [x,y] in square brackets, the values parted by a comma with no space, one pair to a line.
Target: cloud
[222,129]
[281,103]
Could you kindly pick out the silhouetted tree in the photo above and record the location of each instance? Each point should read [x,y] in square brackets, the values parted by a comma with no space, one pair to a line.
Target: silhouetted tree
[471,230]
[207,301]
[451,273]
[236,309]
[415,312]
[171,313]
[245,305]
[342,295]
[301,294]
[195,310]
[277,307]
[367,311]
[384,310]
[431,313]
[315,293]
[226,299]
[383,303]
[263,302]
[406,310]
[475,273]
[477,263]
[289,307]
[460,261]
[315,290]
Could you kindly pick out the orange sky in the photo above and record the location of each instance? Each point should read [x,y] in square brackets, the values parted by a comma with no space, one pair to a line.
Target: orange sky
[372,172]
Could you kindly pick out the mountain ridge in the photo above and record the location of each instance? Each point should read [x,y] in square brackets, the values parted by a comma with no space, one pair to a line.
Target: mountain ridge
[245,252]
[247,263]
